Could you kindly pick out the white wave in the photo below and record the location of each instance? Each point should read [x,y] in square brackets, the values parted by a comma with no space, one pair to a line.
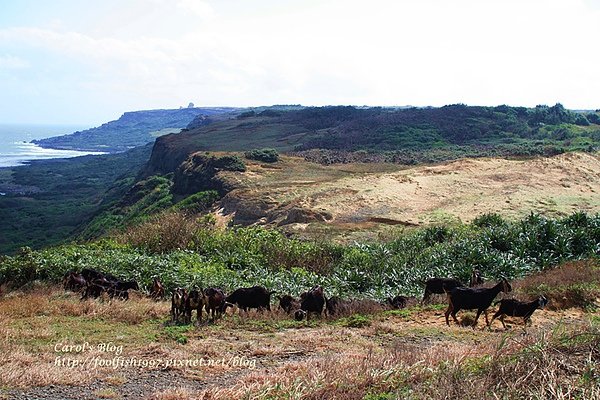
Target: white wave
[26,152]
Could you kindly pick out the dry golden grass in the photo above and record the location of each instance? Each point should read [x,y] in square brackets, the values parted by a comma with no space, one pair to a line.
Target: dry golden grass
[572,284]
[53,301]
[163,232]
[321,359]
[174,394]
[106,394]
[371,198]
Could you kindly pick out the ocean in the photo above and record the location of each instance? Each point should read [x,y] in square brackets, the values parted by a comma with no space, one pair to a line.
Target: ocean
[16,149]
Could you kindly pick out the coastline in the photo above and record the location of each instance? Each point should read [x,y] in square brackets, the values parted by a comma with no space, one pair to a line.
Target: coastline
[28,152]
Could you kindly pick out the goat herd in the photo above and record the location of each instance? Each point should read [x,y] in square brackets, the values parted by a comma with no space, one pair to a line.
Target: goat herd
[214,301]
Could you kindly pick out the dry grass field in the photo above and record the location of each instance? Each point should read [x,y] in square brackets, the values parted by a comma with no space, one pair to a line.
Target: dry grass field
[341,199]
[51,347]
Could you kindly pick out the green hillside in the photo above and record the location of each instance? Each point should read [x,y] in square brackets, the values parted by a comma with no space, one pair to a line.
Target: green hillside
[50,200]
[133,129]
[406,136]
[87,197]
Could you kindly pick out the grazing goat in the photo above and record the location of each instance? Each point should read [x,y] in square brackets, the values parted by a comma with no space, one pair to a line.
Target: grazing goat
[399,302]
[178,300]
[215,302]
[476,278]
[94,289]
[439,286]
[73,281]
[334,305]
[195,301]
[461,298]
[253,297]
[92,274]
[288,303]
[337,305]
[312,301]
[516,308]
[120,289]
[119,285]
[158,291]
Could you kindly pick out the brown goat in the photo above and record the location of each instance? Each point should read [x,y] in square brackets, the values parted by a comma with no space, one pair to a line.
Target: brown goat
[158,291]
[178,300]
[194,301]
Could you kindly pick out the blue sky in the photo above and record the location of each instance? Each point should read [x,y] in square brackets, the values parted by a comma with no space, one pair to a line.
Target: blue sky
[87,62]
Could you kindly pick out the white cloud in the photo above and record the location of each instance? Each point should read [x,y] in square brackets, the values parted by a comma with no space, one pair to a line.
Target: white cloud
[200,8]
[427,52]
[8,61]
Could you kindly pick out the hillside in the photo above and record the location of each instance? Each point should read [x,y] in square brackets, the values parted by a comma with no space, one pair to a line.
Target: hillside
[405,136]
[132,129]
[312,199]
[46,202]
[367,150]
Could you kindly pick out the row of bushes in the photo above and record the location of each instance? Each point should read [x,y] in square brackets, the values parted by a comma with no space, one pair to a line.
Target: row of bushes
[187,252]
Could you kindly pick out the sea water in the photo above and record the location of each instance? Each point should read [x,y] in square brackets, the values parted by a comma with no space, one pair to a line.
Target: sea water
[16,147]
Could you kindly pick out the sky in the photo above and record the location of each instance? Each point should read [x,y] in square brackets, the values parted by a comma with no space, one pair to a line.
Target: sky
[87,62]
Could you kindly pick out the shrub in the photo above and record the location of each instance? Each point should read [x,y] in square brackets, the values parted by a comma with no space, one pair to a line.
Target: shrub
[488,220]
[198,202]
[161,234]
[264,155]
[573,284]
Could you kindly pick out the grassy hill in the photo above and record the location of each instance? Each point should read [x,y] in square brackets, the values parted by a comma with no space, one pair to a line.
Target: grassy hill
[406,136]
[133,129]
[301,193]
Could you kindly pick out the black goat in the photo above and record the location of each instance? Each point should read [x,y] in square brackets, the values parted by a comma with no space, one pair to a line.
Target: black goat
[336,305]
[253,297]
[94,289]
[287,303]
[440,286]
[91,274]
[516,308]
[312,301]
[462,298]
[444,285]
[399,302]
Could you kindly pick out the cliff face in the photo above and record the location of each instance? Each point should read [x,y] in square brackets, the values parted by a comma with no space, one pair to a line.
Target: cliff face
[200,172]
[167,154]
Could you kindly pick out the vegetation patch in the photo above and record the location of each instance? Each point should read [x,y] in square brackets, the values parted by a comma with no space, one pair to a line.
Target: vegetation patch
[264,155]
[185,251]
[573,284]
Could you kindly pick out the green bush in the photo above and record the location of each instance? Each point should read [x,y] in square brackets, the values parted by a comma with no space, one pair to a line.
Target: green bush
[264,155]
[184,251]
[198,202]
